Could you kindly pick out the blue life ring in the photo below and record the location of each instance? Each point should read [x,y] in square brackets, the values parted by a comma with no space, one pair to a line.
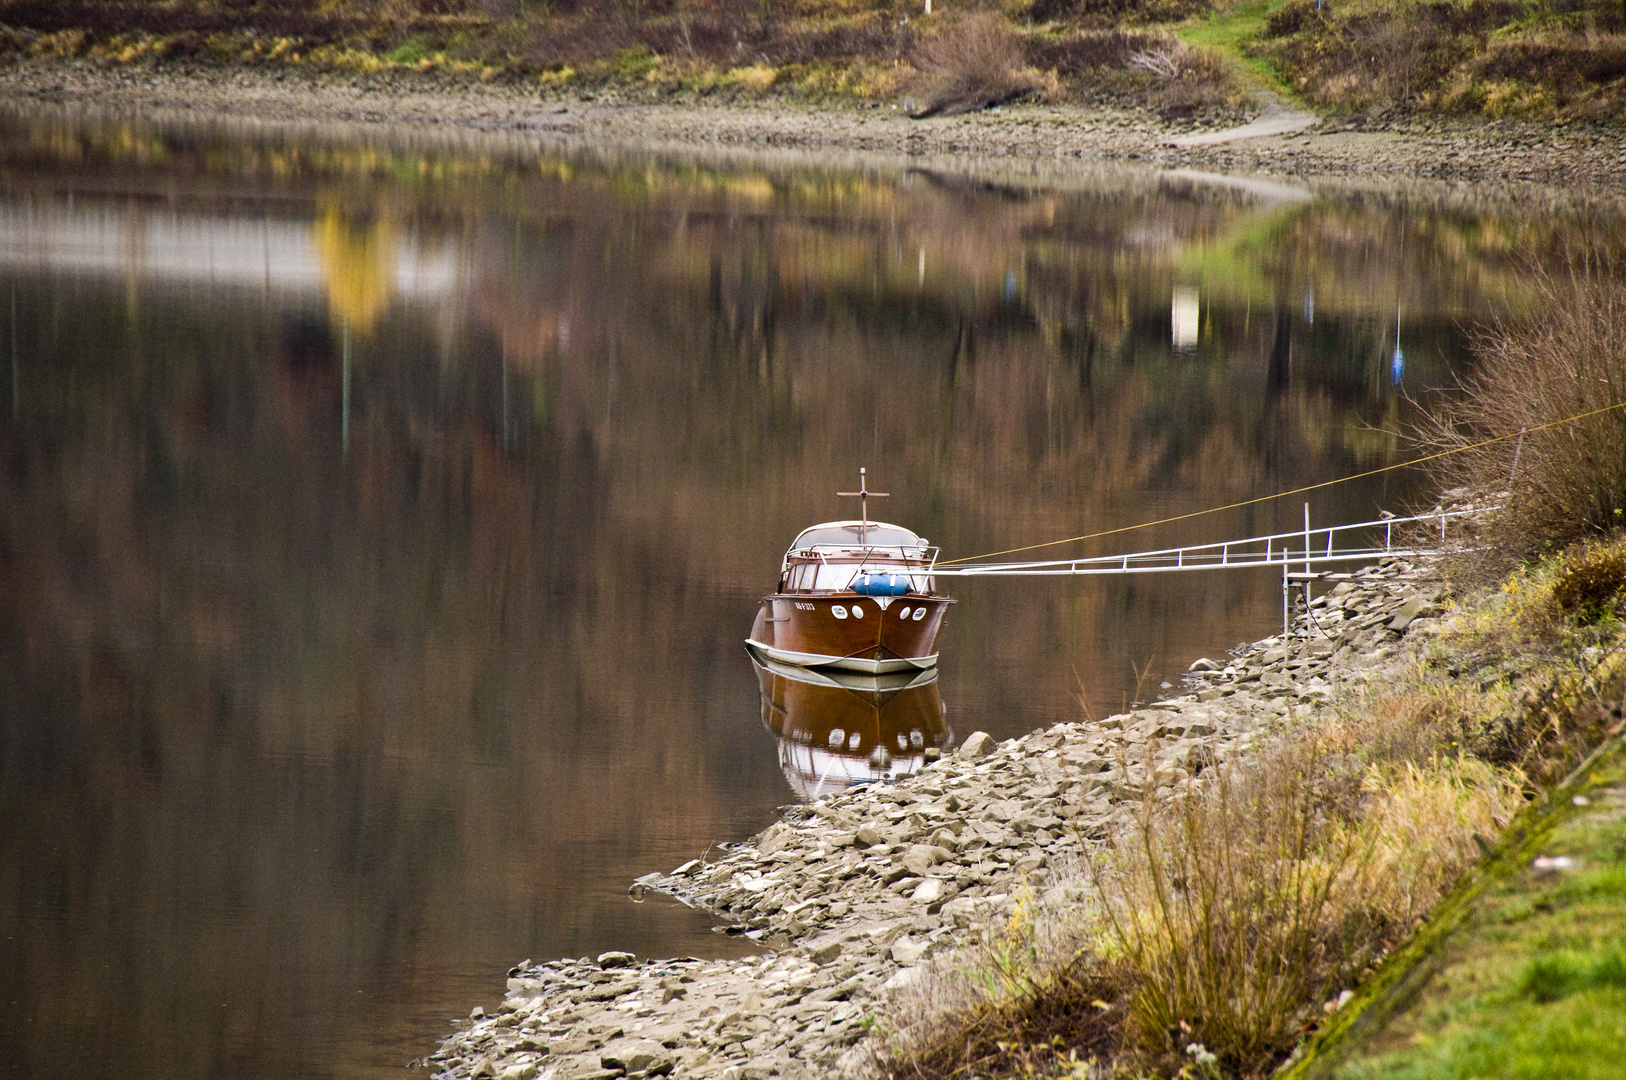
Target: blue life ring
[881,584]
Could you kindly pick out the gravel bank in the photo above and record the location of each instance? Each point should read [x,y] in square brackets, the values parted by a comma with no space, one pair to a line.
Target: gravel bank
[854,893]
[1567,158]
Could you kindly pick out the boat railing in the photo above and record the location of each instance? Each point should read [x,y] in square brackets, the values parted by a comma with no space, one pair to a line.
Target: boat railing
[913,562]
[908,556]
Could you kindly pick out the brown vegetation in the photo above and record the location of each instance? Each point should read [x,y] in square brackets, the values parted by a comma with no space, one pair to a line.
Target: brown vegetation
[972,64]
[1151,67]
[1493,57]
[1110,14]
[1557,481]
[1592,584]
[869,51]
[1488,57]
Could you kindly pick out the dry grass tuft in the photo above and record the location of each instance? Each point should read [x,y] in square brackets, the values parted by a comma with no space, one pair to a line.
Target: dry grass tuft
[1229,916]
[1591,584]
[973,63]
[1026,999]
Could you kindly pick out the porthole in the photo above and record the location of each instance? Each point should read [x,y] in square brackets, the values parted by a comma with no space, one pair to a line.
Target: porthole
[837,737]
[853,740]
[858,612]
[920,613]
[838,611]
[904,613]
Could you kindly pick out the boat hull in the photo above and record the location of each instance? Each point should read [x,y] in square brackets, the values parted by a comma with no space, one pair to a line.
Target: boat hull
[849,632]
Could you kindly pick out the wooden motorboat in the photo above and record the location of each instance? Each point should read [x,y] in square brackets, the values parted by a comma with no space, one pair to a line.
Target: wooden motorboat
[839,728]
[853,596]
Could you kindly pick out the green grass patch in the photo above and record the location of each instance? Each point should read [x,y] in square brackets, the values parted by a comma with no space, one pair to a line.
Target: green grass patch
[1558,975]
[1529,981]
[411,51]
[1228,30]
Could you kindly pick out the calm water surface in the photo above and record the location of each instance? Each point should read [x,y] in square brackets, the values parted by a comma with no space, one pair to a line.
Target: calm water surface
[380,519]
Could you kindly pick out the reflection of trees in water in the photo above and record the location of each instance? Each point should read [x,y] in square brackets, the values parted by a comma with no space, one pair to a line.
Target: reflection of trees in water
[358,264]
[200,591]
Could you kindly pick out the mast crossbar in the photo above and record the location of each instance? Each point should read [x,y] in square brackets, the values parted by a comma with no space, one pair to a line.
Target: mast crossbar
[863,495]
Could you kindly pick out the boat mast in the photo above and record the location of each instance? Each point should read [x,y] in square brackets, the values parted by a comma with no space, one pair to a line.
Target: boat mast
[863,495]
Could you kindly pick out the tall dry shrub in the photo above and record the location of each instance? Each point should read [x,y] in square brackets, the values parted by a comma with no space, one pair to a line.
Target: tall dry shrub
[1231,913]
[1215,917]
[975,62]
[1559,481]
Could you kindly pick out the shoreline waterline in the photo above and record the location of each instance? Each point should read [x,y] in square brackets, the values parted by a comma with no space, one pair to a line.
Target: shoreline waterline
[1043,143]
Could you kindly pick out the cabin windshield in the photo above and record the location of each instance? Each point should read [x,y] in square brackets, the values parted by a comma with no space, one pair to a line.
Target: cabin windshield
[826,558]
[846,534]
[817,576]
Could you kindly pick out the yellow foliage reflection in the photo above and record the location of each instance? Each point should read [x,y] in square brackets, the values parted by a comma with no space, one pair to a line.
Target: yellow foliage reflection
[358,266]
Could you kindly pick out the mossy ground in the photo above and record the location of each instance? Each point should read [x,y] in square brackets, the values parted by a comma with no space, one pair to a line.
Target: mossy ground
[1530,980]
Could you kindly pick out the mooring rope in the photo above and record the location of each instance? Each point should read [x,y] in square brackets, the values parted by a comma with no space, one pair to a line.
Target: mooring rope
[1296,491]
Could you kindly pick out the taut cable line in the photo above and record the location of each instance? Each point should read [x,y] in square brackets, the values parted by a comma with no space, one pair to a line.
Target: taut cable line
[1295,491]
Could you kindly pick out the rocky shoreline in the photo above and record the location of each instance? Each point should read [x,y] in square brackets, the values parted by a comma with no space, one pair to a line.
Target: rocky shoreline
[1574,161]
[855,894]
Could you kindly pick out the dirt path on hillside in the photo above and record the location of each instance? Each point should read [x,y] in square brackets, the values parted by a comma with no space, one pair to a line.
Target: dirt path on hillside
[1562,160]
[1276,118]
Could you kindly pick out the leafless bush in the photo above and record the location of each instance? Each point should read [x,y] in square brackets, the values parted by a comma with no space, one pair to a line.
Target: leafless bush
[1546,390]
[1094,52]
[1152,66]
[1157,62]
[972,64]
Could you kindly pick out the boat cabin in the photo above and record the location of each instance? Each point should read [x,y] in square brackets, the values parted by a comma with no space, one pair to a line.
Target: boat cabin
[831,557]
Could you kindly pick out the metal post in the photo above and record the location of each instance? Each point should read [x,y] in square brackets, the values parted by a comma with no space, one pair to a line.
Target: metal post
[344,393]
[16,378]
[1284,604]
[1307,549]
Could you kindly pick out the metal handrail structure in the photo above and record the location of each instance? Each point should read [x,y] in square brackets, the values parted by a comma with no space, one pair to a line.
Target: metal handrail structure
[1305,549]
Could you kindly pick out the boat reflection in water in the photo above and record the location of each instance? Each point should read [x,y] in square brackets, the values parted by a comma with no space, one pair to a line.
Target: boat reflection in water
[840,728]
